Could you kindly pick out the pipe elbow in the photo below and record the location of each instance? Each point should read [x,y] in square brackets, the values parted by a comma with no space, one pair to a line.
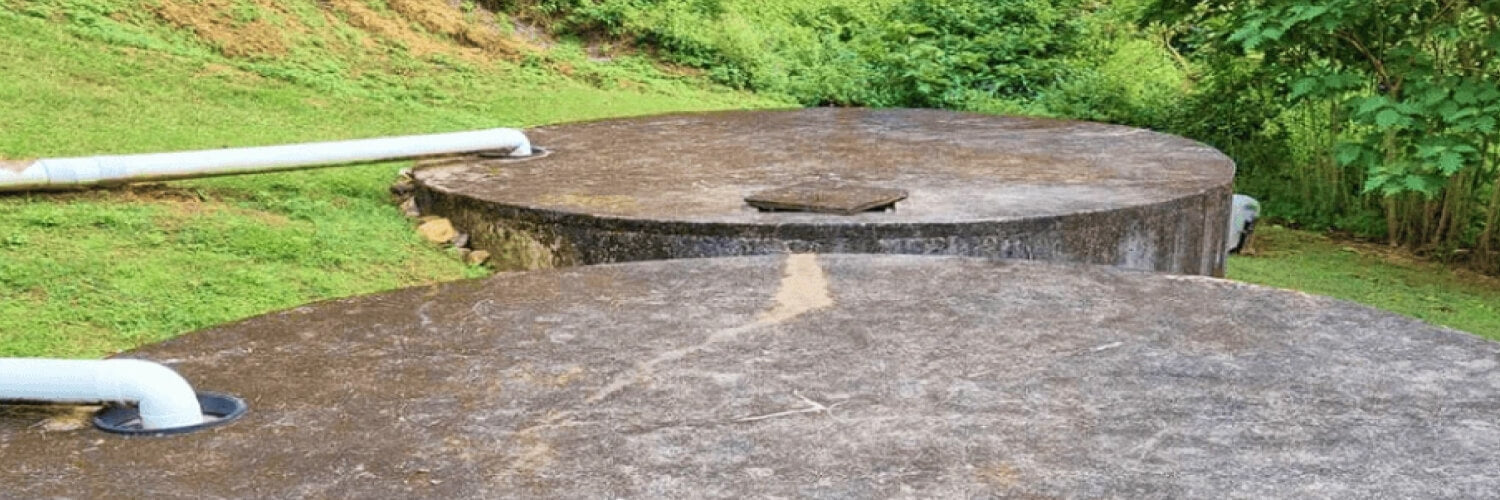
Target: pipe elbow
[165,399]
[515,136]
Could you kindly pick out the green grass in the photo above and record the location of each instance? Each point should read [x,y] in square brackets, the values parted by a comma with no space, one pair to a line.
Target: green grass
[1373,275]
[88,274]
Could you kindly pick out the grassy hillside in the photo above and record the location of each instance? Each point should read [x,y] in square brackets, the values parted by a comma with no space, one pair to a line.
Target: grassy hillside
[90,273]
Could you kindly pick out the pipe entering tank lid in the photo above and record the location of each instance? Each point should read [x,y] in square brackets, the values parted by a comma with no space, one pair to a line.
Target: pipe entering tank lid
[508,156]
[218,409]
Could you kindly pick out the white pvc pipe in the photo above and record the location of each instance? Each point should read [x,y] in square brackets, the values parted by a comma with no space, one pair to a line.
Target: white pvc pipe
[1243,211]
[54,173]
[165,399]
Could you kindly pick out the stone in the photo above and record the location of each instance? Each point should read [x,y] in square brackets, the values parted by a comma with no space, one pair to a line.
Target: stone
[403,187]
[461,241]
[476,257]
[409,208]
[437,230]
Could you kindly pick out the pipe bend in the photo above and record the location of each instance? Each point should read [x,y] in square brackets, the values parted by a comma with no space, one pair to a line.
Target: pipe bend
[515,136]
[165,399]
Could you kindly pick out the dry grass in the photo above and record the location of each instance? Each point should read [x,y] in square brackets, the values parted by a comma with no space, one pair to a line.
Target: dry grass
[214,21]
[267,28]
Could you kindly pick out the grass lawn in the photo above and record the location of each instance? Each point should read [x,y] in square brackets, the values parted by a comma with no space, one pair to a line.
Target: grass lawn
[1374,275]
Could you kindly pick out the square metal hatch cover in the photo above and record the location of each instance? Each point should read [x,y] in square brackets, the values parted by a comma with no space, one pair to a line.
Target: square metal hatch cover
[834,197]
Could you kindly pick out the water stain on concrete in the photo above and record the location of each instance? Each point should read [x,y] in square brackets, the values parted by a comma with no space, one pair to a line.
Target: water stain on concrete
[803,289]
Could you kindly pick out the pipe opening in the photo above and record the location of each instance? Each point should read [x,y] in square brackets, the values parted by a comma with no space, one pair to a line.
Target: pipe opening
[218,409]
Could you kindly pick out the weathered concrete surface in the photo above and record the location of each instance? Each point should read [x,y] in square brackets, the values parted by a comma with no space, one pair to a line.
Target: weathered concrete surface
[852,376]
[987,186]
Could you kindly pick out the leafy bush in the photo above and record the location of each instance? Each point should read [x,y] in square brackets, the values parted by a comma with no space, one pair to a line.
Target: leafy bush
[950,53]
[1387,108]
[922,53]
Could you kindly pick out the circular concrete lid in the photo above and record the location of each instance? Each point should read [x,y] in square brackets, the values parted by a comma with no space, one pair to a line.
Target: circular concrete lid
[810,376]
[957,167]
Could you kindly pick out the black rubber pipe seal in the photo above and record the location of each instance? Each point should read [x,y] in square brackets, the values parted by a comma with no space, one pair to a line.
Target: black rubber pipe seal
[219,408]
[504,154]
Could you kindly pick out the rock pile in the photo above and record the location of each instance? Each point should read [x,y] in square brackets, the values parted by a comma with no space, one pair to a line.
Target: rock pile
[433,228]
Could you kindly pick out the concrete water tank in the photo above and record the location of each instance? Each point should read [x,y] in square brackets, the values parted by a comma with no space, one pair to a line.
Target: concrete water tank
[977,185]
[829,376]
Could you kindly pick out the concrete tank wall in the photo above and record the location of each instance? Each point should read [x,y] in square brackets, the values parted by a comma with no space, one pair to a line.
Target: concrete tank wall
[982,186]
[1184,236]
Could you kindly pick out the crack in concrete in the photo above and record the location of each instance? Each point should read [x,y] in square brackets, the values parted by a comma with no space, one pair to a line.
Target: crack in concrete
[812,407]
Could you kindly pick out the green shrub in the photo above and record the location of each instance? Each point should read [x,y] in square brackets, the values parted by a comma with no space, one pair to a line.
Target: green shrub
[919,53]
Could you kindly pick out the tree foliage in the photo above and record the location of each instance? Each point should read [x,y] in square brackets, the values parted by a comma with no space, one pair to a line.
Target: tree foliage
[926,53]
[1413,89]
[1417,79]
[946,53]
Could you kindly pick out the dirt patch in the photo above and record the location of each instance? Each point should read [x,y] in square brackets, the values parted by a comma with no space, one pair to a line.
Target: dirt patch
[51,418]
[442,18]
[157,192]
[266,28]
[180,214]
[1280,243]
[359,15]
[132,193]
[182,205]
[435,16]
[215,22]
[1405,257]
